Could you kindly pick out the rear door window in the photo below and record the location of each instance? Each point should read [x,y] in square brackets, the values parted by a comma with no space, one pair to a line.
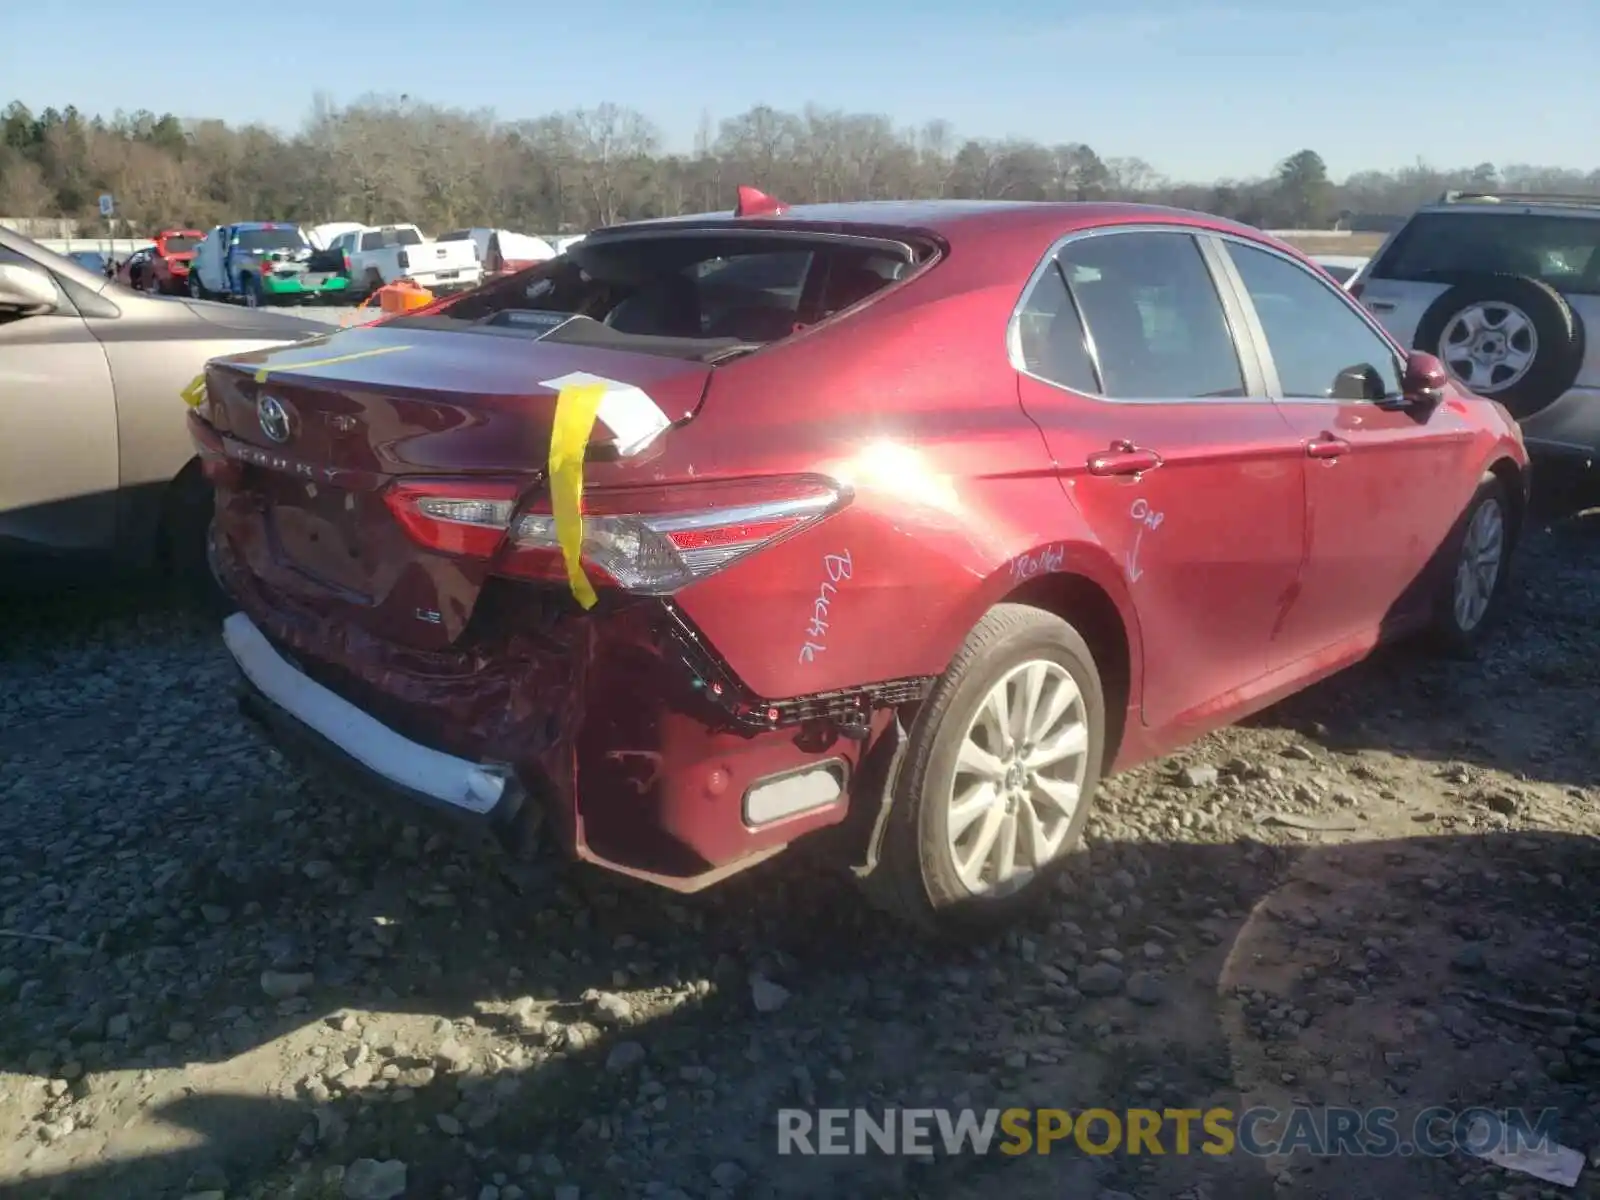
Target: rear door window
[1563,252]
[1049,335]
[1156,324]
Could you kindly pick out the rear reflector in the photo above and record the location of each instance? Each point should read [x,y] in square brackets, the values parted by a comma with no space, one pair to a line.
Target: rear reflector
[652,541]
[791,794]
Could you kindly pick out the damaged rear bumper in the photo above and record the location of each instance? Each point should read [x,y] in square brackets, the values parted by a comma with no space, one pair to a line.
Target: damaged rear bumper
[711,803]
[429,775]
[297,709]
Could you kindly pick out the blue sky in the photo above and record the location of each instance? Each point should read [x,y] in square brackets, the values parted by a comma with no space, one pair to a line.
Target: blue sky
[1198,89]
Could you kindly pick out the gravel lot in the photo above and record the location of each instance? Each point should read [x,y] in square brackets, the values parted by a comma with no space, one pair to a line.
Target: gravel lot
[216,982]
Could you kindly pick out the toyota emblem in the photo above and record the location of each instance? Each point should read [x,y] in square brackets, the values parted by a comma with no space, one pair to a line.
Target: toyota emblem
[274,418]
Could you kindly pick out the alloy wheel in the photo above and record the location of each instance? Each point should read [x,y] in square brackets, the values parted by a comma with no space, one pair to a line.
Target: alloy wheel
[1478,568]
[1018,779]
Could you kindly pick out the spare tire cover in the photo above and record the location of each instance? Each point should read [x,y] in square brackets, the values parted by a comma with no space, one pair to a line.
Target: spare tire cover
[1507,337]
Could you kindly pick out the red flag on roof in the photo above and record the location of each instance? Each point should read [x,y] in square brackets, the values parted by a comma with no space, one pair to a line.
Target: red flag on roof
[754,203]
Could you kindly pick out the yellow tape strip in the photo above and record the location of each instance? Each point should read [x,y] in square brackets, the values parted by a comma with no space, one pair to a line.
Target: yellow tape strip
[195,394]
[261,373]
[576,408]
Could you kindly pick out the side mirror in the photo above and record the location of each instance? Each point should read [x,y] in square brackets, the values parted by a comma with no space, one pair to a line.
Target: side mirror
[1424,380]
[1360,382]
[26,290]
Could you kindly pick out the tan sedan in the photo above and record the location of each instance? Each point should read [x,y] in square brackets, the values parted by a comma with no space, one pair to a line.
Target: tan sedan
[96,466]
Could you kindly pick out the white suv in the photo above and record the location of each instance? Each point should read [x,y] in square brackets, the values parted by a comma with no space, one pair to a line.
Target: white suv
[1505,290]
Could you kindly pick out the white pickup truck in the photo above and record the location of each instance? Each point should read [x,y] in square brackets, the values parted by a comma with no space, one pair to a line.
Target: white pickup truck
[380,254]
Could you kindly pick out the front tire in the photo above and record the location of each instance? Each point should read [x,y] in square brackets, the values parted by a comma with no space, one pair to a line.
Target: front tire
[998,776]
[1477,570]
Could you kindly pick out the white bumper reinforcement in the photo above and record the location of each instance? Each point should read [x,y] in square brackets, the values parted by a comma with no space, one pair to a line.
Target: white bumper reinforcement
[442,777]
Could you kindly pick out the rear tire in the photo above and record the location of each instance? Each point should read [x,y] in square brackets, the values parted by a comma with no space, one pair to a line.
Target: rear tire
[1476,570]
[974,800]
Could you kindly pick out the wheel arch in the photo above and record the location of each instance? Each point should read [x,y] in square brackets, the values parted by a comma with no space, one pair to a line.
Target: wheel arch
[1084,589]
[1515,478]
[1090,609]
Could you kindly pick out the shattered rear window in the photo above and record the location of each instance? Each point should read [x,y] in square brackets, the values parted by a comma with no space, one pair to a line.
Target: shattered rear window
[684,295]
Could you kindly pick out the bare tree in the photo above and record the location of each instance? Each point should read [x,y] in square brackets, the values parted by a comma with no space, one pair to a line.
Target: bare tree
[23,190]
[395,158]
[613,146]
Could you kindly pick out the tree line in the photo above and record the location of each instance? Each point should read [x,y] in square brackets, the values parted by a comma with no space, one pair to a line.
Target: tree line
[388,159]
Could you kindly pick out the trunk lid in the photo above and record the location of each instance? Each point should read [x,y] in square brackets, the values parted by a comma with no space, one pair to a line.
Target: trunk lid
[321,429]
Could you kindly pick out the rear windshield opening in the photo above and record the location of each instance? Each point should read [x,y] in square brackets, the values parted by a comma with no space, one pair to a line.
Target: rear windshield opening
[380,239]
[179,245]
[1563,252]
[455,235]
[271,239]
[694,296]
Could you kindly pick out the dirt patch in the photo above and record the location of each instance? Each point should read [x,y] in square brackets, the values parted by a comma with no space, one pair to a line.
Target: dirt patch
[1356,245]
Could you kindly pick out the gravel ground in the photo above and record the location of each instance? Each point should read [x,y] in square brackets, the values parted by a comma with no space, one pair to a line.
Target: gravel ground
[217,982]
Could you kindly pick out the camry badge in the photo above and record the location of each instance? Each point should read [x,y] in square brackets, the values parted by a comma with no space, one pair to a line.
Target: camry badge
[274,417]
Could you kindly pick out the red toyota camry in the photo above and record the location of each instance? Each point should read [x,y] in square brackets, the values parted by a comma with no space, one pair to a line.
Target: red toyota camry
[906,519]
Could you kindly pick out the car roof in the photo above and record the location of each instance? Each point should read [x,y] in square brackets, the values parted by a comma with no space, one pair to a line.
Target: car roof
[957,217]
[1521,204]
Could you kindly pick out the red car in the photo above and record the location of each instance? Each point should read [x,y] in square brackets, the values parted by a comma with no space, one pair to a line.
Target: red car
[166,268]
[905,519]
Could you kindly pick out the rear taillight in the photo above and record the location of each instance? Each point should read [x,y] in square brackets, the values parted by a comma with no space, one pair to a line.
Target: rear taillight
[652,541]
[404,260]
[347,264]
[266,266]
[455,516]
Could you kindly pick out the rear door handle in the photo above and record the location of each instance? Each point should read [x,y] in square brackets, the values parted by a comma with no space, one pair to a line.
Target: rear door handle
[1327,446]
[1123,458]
